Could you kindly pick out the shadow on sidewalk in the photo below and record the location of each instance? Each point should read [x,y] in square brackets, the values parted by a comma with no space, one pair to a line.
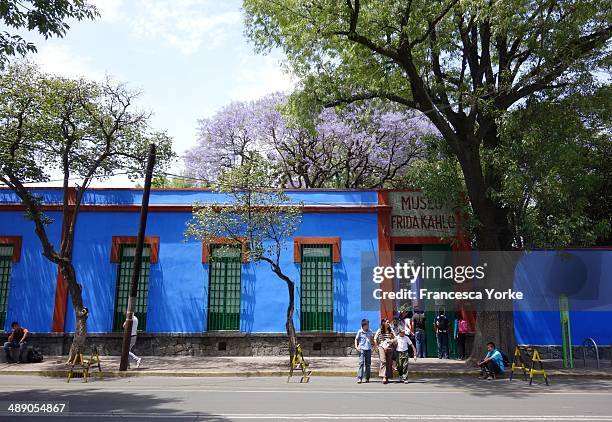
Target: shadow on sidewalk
[517,388]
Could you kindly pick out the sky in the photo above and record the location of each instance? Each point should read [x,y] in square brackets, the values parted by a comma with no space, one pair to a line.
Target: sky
[189,58]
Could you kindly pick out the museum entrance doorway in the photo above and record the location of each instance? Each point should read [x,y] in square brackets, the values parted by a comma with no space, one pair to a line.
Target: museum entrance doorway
[428,255]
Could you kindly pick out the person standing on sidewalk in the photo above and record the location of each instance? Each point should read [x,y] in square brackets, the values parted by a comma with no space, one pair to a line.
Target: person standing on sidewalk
[463,328]
[385,341]
[418,328]
[133,340]
[395,325]
[403,344]
[441,329]
[395,329]
[406,324]
[363,344]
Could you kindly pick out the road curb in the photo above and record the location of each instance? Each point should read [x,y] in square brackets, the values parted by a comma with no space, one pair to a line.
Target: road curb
[279,373]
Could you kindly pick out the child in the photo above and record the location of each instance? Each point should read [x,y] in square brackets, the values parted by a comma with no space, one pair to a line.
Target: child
[363,344]
[403,341]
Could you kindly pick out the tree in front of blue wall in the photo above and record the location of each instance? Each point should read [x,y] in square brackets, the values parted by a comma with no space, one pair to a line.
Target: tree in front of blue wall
[77,129]
[254,215]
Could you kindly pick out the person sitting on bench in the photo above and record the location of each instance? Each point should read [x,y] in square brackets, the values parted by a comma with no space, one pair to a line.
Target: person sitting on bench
[493,363]
[17,339]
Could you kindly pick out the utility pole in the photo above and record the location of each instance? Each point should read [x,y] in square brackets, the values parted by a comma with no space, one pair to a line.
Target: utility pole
[144,211]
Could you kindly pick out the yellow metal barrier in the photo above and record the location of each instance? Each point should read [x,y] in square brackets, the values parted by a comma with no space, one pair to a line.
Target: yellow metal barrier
[298,362]
[536,358]
[518,363]
[85,365]
[533,355]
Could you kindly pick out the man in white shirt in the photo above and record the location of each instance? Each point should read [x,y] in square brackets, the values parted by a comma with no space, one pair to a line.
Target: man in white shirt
[403,342]
[404,323]
[133,340]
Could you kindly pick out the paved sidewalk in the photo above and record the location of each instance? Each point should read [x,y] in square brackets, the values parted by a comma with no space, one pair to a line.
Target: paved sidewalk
[192,366]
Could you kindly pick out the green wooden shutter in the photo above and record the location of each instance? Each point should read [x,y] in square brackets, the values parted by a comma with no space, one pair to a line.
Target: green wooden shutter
[224,288]
[124,277]
[6,254]
[317,305]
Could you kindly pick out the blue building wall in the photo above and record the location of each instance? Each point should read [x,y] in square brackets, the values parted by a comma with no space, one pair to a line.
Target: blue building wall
[178,284]
[178,289]
[539,275]
[187,196]
[32,285]
[48,196]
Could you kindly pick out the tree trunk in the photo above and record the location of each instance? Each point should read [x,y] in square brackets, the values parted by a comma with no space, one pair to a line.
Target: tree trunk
[64,258]
[289,323]
[495,320]
[81,313]
[289,326]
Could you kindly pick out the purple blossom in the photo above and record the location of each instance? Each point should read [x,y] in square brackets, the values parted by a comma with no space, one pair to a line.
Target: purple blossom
[360,146]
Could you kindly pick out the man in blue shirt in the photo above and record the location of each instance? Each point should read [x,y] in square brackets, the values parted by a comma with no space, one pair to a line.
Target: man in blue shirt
[363,344]
[493,362]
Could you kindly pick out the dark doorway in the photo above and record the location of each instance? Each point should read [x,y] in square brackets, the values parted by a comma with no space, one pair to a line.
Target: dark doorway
[438,254]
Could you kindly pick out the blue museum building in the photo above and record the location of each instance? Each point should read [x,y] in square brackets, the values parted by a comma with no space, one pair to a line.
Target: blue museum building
[190,287]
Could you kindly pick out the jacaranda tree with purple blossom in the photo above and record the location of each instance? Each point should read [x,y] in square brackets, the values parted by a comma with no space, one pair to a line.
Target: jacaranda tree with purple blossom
[368,145]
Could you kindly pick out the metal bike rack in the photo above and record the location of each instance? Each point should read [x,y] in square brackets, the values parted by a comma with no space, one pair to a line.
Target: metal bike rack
[585,343]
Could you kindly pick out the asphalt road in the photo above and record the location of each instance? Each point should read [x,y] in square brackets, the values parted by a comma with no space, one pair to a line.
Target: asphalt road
[325,398]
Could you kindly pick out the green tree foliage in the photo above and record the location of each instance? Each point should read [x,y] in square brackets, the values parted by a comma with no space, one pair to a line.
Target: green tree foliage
[264,218]
[171,182]
[46,17]
[464,64]
[557,159]
[79,131]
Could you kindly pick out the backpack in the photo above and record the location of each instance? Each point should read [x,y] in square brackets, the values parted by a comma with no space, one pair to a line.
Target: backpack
[35,355]
[505,359]
[442,323]
[419,321]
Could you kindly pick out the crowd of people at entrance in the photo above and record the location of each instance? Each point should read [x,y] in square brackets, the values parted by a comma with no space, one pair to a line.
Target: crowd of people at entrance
[394,346]
[404,337]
